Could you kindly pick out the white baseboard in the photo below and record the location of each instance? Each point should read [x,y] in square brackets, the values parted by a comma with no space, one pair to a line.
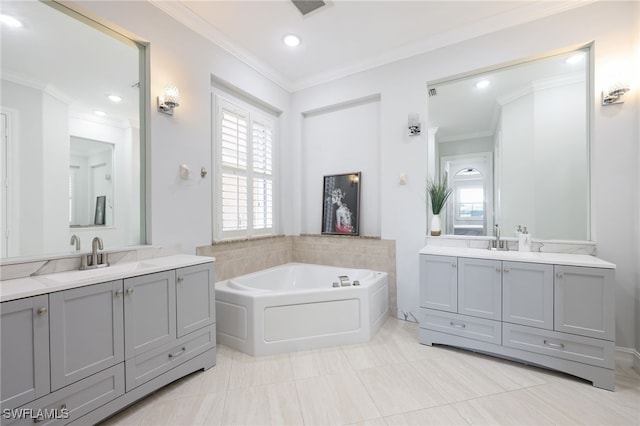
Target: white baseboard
[628,357]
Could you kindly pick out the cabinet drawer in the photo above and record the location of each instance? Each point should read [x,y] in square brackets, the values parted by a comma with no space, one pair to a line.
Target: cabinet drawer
[461,325]
[567,346]
[73,401]
[145,367]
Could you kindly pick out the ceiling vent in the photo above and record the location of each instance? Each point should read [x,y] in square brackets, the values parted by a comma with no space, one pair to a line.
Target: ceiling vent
[307,6]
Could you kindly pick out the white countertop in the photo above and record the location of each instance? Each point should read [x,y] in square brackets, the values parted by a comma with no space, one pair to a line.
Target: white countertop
[49,283]
[517,256]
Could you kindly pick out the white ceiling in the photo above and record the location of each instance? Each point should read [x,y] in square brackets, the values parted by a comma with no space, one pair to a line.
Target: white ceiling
[346,36]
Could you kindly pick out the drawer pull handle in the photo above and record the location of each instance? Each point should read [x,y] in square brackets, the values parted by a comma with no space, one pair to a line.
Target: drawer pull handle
[457,325]
[180,352]
[40,417]
[554,345]
[42,311]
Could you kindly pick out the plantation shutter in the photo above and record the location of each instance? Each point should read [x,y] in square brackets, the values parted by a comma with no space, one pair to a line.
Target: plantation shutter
[245,149]
[262,175]
[234,158]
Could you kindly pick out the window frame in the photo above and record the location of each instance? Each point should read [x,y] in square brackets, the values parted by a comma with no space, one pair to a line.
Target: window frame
[252,113]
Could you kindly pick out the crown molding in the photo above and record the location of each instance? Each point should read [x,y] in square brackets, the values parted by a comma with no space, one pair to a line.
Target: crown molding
[498,22]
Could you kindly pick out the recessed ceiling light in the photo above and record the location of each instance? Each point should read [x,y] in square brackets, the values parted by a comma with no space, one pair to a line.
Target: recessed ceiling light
[10,21]
[482,84]
[291,40]
[114,98]
[574,59]
[100,113]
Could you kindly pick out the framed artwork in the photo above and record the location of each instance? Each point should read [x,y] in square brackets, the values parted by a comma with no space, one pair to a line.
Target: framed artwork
[341,204]
[100,205]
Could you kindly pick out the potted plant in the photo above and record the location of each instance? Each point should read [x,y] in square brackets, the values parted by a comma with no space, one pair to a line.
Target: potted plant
[438,194]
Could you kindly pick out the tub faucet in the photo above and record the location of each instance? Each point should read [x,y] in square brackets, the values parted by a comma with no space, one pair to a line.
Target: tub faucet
[75,240]
[344,280]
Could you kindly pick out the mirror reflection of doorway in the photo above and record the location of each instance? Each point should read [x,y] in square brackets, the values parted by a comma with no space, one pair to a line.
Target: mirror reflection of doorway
[470,211]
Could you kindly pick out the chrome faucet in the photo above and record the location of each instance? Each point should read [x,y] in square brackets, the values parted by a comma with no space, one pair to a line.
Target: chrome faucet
[75,240]
[95,245]
[95,259]
[344,280]
[497,243]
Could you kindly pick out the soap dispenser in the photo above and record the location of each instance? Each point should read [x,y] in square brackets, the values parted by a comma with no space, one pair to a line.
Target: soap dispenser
[524,241]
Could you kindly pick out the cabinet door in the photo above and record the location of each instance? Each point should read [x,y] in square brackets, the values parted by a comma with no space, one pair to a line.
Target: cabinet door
[480,288]
[195,298]
[584,301]
[527,294]
[24,327]
[439,282]
[87,333]
[149,312]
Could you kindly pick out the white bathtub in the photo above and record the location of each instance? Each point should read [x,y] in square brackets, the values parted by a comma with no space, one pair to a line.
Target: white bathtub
[295,307]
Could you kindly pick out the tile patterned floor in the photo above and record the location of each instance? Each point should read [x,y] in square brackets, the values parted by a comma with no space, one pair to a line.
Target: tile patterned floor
[393,380]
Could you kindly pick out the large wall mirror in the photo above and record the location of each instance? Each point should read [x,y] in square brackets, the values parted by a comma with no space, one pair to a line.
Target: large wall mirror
[513,144]
[72,107]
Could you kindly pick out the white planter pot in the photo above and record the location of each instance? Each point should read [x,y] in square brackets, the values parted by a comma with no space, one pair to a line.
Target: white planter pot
[435,225]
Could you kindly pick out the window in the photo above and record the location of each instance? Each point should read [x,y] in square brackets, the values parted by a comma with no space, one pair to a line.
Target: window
[245,185]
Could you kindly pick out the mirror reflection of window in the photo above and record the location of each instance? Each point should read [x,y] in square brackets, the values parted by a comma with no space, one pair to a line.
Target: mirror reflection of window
[470,202]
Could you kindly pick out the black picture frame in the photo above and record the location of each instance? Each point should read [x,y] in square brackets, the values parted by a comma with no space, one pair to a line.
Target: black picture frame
[341,204]
[101,201]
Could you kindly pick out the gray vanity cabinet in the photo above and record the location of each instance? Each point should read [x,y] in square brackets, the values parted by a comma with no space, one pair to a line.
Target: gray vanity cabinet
[169,318]
[527,292]
[149,312]
[584,302]
[558,316]
[24,327]
[195,298]
[86,331]
[480,288]
[439,283]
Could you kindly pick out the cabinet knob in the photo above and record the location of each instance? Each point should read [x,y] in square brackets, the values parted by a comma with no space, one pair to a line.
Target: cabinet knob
[130,290]
[498,269]
[559,275]
[453,265]
[180,279]
[119,293]
[42,311]
[506,269]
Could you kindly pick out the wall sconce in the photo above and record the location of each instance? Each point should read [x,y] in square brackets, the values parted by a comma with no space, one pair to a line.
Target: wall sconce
[414,124]
[614,94]
[169,100]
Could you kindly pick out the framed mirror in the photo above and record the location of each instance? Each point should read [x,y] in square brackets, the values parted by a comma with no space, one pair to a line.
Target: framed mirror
[73,100]
[513,143]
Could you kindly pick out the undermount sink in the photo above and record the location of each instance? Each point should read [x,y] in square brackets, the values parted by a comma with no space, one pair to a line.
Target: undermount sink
[107,272]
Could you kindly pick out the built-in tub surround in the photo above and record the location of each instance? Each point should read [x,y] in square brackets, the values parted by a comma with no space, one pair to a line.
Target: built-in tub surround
[300,307]
[235,258]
